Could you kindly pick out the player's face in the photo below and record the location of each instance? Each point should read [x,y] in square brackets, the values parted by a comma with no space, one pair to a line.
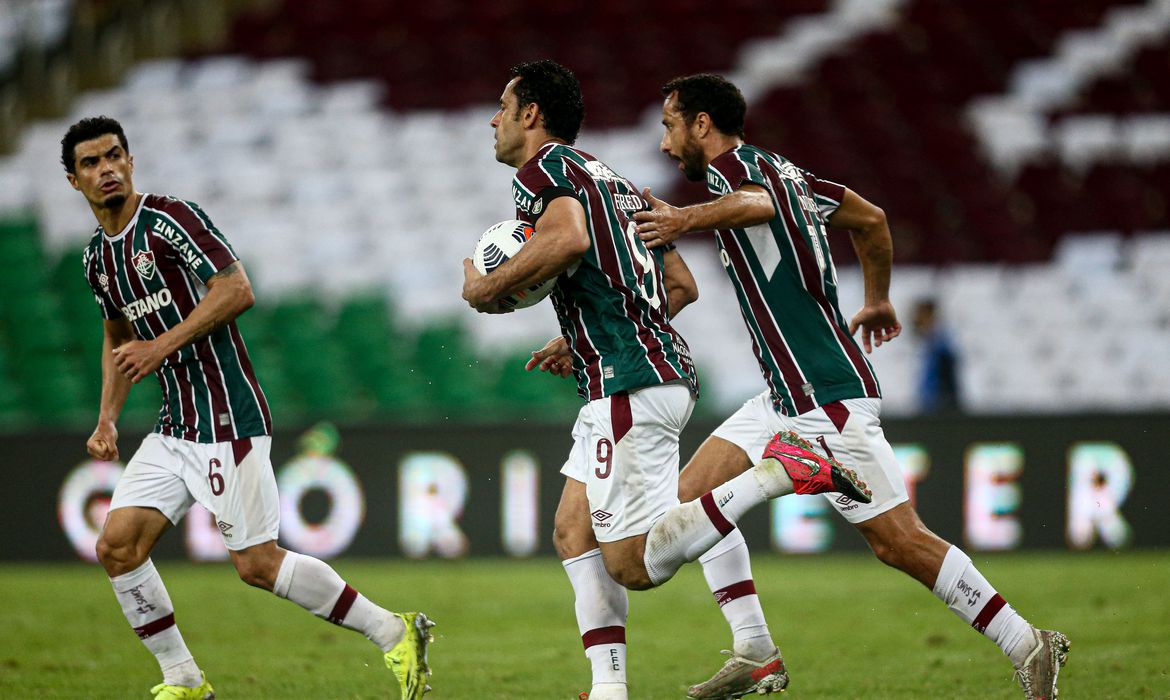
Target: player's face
[506,122]
[103,171]
[679,142]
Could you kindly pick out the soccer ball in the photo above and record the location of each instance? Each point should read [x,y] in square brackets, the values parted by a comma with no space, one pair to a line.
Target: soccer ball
[501,242]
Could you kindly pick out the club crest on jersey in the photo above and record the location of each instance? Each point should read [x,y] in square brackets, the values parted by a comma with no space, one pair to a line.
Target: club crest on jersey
[144,263]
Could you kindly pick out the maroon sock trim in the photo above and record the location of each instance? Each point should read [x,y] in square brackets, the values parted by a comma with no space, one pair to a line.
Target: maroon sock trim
[155,626]
[343,604]
[604,635]
[725,595]
[988,613]
[721,523]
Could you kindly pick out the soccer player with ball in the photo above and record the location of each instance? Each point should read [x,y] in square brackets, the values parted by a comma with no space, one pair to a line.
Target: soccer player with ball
[771,219]
[619,523]
[170,288]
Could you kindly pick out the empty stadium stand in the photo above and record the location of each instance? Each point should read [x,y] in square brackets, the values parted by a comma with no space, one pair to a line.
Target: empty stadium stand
[345,149]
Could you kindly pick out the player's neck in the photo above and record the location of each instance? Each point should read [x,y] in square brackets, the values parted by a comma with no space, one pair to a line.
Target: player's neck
[537,142]
[715,147]
[114,220]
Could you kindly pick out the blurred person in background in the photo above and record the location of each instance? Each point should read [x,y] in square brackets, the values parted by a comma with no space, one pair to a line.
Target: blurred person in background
[170,287]
[938,378]
[619,523]
[771,220]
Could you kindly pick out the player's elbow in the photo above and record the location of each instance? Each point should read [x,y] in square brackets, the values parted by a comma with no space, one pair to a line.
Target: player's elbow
[578,244]
[865,220]
[247,299]
[874,220]
[244,298]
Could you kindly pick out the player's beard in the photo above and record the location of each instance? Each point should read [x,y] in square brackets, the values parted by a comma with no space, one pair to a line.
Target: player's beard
[114,201]
[692,161]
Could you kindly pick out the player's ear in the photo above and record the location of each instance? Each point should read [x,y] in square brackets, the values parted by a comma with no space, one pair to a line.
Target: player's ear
[72,181]
[702,124]
[532,115]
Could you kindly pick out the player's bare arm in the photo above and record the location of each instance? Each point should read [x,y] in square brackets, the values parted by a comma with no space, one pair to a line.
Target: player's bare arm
[748,206]
[870,234]
[681,288]
[229,295]
[103,443]
[561,239]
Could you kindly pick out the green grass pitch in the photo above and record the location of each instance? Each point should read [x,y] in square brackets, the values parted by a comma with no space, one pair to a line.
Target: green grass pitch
[848,627]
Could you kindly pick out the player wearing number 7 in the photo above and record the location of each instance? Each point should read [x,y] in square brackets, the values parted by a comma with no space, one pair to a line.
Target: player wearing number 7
[770,219]
[170,288]
[619,520]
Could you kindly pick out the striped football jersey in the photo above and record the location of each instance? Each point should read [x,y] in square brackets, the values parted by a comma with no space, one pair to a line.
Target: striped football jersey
[611,305]
[153,273]
[787,286]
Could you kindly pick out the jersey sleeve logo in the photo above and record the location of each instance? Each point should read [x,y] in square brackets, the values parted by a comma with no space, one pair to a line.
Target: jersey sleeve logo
[104,282]
[788,171]
[600,171]
[144,263]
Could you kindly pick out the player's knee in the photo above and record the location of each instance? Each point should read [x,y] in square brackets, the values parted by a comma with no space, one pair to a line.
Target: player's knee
[572,537]
[633,577]
[253,575]
[571,542]
[118,557]
[256,571]
[560,542]
[888,554]
[904,552]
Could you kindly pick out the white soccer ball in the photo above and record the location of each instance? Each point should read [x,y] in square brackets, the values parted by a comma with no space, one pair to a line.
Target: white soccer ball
[501,242]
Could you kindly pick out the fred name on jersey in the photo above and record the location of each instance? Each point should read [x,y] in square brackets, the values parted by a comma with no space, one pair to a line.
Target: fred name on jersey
[598,171]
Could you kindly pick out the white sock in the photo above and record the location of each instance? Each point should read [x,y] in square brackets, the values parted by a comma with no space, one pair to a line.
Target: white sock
[148,609]
[608,691]
[316,587]
[971,597]
[601,605]
[728,570]
[689,529]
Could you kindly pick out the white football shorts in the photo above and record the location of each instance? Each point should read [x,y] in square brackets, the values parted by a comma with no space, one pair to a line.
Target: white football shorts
[625,451]
[233,480]
[848,430]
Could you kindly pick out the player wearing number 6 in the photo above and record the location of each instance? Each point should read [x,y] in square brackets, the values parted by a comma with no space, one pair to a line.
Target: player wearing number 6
[770,219]
[619,522]
[170,288]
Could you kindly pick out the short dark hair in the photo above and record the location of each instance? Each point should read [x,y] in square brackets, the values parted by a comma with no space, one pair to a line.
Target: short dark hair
[713,94]
[556,90]
[84,130]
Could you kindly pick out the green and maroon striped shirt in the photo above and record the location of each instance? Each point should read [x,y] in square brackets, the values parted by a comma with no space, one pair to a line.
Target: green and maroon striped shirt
[611,305]
[787,285]
[153,273]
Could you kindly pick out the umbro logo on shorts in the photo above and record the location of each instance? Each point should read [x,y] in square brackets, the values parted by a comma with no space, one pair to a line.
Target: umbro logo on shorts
[844,500]
[601,516]
[225,529]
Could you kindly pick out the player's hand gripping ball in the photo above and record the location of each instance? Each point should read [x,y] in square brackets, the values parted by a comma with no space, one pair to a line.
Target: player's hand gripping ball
[498,244]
